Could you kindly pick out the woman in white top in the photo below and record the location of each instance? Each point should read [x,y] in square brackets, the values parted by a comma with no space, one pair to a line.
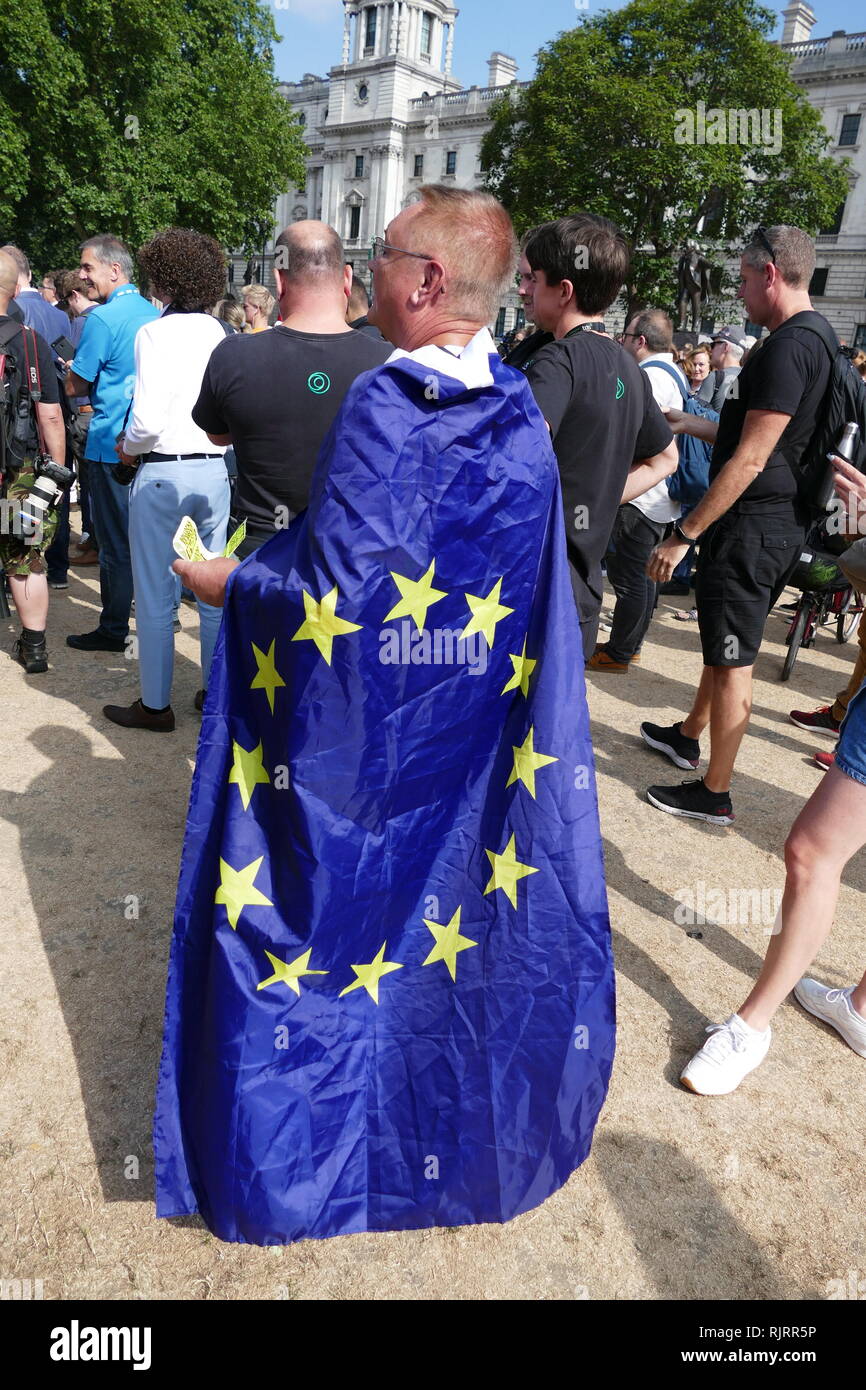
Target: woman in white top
[180,472]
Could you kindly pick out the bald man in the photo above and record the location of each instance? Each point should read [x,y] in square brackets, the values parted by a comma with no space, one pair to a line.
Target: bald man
[22,556]
[274,396]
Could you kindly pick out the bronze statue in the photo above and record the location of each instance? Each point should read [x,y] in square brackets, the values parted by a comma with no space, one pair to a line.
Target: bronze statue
[693,285]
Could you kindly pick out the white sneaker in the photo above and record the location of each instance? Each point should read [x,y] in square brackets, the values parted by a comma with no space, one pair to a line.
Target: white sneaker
[725,1058]
[834,1006]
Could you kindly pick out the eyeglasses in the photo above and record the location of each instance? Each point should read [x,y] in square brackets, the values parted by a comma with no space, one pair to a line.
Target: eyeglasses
[629,335]
[761,237]
[378,247]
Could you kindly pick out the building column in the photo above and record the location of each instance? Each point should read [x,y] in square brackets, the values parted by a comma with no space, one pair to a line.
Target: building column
[347,34]
[449,49]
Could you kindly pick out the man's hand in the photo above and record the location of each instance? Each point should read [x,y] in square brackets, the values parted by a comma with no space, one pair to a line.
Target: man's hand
[206,578]
[849,481]
[665,559]
[675,420]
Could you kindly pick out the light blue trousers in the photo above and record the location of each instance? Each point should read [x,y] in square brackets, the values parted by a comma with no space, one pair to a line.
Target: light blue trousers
[160,495]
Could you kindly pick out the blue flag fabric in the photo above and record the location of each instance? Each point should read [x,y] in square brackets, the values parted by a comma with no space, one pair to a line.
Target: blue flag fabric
[390,997]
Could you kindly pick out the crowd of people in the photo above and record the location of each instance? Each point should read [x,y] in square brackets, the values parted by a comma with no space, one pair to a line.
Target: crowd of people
[667,457]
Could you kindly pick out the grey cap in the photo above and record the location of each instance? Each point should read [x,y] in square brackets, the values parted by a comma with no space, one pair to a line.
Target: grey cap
[735,336]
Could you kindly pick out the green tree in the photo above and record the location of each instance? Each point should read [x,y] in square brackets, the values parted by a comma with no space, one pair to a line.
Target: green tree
[603,126]
[131,115]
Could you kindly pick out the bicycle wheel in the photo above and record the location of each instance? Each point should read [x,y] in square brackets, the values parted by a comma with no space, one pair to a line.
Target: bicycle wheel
[798,630]
[849,617]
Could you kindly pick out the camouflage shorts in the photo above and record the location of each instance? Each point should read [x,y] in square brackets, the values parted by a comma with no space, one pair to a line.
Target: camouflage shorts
[22,550]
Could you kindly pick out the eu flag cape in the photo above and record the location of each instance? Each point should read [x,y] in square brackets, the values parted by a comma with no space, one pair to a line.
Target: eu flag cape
[390,996]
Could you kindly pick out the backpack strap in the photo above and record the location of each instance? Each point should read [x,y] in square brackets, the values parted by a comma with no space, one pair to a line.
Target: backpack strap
[8,331]
[671,371]
[816,324]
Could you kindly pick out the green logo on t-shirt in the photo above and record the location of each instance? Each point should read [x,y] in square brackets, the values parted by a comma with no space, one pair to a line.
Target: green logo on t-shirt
[620,389]
[319,383]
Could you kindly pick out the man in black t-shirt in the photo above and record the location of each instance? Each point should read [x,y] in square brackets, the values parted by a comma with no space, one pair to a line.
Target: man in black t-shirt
[274,395]
[751,524]
[22,552]
[611,441]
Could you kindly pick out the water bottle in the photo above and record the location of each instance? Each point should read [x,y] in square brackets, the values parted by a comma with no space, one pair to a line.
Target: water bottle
[847,448]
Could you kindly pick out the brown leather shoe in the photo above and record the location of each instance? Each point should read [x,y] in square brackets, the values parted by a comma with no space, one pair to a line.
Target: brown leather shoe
[137,717]
[84,557]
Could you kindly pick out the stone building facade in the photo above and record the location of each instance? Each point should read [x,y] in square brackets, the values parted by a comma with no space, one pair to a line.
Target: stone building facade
[832,74]
[387,119]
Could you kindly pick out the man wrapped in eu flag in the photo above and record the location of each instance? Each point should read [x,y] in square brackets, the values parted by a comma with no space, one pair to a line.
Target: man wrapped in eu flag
[390,996]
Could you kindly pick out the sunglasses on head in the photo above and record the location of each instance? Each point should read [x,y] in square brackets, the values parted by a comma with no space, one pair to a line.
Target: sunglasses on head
[764,241]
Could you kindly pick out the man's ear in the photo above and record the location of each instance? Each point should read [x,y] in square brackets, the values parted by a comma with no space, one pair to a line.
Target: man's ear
[347,281]
[566,292]
[434,280]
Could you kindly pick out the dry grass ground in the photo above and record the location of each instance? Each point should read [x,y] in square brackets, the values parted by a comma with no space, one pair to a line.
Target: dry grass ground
[755,1196]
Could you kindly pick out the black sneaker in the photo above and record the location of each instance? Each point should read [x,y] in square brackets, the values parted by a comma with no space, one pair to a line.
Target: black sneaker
[694,801]
[683,752]
[96,641]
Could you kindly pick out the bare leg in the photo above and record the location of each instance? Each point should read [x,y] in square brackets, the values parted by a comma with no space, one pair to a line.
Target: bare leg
[729,719]
[699,715]
[30,596]
[830,828]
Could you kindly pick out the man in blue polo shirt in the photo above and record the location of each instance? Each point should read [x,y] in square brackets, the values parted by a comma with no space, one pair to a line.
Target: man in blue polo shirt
[104,368]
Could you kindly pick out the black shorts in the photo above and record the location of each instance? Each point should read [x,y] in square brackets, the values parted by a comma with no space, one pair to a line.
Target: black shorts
[743,565]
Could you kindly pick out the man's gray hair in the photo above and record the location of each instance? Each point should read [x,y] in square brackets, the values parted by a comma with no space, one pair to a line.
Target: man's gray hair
[793,252]
[110,251]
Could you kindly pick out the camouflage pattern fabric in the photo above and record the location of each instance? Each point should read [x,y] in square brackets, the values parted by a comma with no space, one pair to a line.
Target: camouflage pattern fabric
[22,553]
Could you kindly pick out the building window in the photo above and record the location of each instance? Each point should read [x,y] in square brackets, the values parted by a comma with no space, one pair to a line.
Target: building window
[818,283]
[500,322]
[302,120]
[451,162]
[231,272]
[370,29]
[850,130]
[354,223]
[359,166]
[426,34]
[860,336]
[419,167]
[833,229]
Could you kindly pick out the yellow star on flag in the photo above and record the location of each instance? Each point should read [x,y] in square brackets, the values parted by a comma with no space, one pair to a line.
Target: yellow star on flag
[486,613]
[507,871]
[236,889]
[449,943]
[370,975]
[267,677]
[523,669]
[321,624]
[417,596]
[289,972]
[247,771]
[526,762]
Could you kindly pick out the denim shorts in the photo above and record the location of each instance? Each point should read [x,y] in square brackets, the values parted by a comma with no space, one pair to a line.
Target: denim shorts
[851,749]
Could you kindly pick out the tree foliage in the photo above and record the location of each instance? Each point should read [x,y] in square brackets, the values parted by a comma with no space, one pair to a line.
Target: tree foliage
[598,129]
[131,115]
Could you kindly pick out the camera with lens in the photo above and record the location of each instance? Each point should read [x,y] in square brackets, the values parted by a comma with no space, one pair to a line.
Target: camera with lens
[52,480]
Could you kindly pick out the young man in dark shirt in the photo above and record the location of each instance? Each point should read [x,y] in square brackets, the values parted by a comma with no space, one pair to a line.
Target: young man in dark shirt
[612,442]
[274,395]
[750,522]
